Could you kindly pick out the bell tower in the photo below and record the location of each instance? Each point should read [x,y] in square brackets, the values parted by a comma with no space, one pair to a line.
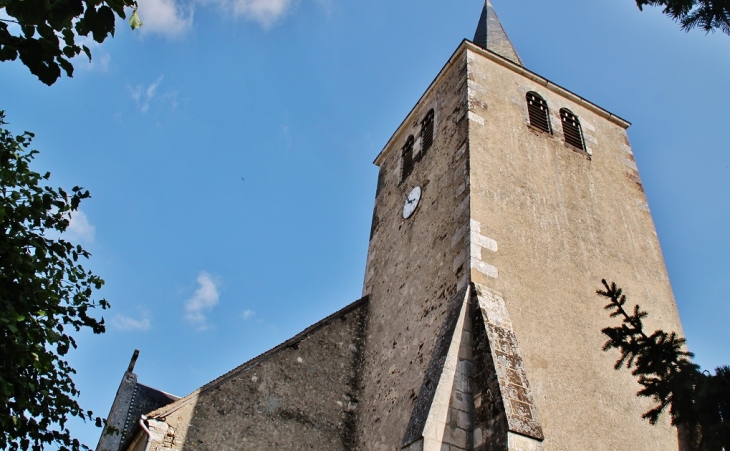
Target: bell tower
[502,201]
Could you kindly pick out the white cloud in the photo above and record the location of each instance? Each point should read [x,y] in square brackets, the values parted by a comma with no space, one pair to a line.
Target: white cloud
[173,18]
[265,12]
[127,324]
[165,17]
[79,228]
[143,96]
[248,314]
[204,299]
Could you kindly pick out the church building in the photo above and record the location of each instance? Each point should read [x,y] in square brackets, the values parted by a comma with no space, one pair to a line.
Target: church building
[502,201]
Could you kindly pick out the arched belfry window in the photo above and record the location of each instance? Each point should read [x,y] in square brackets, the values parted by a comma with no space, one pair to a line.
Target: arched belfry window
[408,160]
[571,129]
[426,132]
[538,111]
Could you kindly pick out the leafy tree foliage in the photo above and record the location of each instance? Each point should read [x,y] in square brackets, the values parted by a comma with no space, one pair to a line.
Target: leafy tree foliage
[44,294]
[698,402]
[45,38]
[709,15]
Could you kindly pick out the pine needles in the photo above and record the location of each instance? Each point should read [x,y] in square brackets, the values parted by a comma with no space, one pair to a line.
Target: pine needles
[709,15]
[698,402]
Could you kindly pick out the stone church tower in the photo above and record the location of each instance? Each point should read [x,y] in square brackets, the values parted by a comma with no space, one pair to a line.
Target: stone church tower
[502,200]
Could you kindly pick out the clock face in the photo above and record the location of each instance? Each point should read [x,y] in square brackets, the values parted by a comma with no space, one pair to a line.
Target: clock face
[411,202]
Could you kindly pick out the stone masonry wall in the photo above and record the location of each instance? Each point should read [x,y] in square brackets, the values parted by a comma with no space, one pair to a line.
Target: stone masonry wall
[459,431]
[410,276]
[552,221]
[301,397]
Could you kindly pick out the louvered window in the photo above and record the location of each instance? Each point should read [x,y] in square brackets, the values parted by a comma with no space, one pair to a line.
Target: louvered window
[571,129]
[538,111]
[408,160]
[426,133]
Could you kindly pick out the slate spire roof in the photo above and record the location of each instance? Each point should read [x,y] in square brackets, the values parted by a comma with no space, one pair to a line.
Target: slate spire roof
[491,36]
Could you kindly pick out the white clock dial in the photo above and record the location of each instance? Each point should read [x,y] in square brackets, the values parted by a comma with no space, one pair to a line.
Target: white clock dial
[411,202]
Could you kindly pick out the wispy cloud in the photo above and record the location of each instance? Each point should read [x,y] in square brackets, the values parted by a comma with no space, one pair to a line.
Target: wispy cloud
[143,96]
[202,302]
[166,17]
[148,96]
[173,18]
[80,229]
[265,12]
[128,324]
[248,314]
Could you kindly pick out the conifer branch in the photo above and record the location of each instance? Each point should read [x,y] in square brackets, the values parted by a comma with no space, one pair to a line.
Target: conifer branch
[698,403]
[709,15]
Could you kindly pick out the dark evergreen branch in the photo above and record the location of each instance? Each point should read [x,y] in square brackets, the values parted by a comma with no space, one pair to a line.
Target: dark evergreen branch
[698,403]
[709,15]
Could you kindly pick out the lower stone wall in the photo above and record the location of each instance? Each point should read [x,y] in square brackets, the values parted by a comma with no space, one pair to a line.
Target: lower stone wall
[301,396]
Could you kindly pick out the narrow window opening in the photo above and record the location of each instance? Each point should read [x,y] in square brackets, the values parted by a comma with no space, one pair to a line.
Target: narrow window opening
[538,112]
[408,160]
[426,133]
[571,129]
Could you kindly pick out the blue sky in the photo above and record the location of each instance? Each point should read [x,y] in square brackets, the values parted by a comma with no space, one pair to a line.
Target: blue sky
[228,147]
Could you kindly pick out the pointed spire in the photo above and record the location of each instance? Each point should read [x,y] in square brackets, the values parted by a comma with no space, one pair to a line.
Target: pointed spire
[491,36]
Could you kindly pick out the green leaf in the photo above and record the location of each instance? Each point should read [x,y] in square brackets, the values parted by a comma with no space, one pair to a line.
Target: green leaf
[134,21]
[44,294]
